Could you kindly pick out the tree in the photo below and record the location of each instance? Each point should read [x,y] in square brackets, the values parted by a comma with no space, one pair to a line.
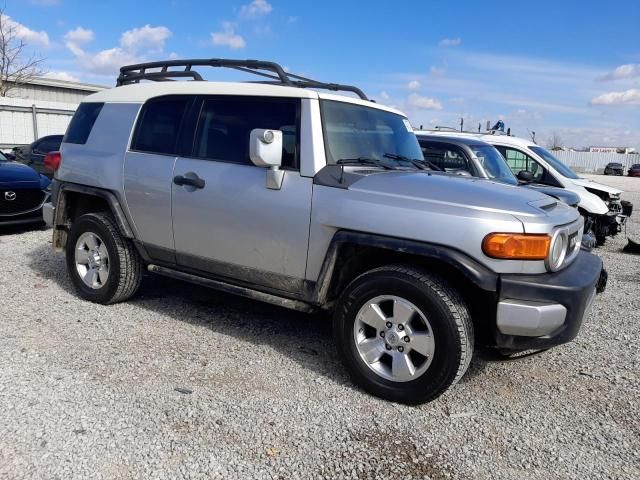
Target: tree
[16,67]
[555,141]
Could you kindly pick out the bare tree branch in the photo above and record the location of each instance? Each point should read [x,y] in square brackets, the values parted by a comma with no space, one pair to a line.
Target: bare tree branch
[555,141]
[16,67]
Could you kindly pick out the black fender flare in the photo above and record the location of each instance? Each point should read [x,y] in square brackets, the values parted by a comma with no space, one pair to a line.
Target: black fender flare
[471,269]
[106,195]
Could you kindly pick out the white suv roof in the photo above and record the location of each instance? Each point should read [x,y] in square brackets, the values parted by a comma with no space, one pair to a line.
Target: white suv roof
[140,93]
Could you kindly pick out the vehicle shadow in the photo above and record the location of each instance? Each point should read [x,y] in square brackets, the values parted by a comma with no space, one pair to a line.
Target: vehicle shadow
[304,338]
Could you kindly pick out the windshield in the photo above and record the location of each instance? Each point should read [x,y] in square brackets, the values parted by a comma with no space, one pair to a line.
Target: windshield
[358,132]
[554,162]
[494,164]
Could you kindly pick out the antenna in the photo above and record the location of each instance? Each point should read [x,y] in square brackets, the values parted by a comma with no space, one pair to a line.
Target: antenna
[488,125]
[461,124]
[479,126]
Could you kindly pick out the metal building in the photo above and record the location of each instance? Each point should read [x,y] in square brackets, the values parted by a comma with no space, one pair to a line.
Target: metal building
[43,106]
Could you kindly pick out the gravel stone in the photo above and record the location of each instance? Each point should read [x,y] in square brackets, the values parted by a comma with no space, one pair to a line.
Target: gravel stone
[89,391]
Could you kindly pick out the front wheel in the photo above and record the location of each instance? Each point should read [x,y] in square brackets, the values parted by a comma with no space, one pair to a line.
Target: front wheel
[404,334]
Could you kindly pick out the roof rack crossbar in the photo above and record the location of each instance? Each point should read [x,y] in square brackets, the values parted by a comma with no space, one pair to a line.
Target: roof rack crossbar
[135,73]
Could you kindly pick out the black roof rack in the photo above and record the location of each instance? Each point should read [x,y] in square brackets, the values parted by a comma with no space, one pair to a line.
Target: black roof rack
[275,73]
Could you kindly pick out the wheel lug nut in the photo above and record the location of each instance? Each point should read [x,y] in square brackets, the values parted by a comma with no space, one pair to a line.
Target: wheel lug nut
[389,324]
[401,349]
[382,334]
[388,347]
[400,327]
[406,339]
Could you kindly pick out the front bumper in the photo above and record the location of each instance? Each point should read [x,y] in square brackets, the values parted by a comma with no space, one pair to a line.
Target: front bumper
[24,218]
[541,311]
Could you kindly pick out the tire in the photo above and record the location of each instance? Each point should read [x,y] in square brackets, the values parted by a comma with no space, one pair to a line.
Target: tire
[122,264]
[449,323]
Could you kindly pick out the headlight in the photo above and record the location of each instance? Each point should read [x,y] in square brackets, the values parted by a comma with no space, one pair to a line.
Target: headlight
[557,251]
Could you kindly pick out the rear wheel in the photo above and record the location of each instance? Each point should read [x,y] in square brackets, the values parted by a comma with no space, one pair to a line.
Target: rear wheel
[404,334]
[103,265]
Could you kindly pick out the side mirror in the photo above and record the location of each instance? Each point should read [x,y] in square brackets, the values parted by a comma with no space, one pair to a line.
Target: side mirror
[265,150]
[525,176]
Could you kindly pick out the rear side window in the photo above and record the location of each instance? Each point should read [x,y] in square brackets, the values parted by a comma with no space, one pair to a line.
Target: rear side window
[225,125]
[158,127]
[82,123]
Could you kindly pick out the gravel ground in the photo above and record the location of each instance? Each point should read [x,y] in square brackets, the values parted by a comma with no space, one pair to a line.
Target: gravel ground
[184,382]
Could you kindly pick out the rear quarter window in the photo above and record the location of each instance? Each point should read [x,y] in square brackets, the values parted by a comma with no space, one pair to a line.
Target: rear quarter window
[159,125]
[82,123]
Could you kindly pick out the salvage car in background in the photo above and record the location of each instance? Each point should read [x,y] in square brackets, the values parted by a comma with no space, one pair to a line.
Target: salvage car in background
[23,192]
[614,168]
[634,171]
[33,155]
[600,205]
[474,157]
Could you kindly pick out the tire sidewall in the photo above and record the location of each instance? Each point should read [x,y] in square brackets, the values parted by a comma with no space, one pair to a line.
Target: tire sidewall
[92,223]
[448,349]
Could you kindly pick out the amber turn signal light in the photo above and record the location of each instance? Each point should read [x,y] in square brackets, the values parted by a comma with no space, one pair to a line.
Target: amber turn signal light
[516,246]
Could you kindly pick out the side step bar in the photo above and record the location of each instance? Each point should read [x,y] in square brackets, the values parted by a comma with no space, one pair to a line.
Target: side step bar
[234,289]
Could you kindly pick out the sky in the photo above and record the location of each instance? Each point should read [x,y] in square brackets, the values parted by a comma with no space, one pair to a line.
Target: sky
[566,68]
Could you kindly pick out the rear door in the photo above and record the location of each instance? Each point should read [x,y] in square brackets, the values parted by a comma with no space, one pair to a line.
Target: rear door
[148,172]
[232,225]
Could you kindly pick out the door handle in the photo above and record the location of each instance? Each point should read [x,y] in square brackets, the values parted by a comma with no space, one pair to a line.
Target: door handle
[192,182]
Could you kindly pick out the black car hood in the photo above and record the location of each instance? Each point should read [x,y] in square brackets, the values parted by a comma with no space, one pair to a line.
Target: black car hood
[14,174]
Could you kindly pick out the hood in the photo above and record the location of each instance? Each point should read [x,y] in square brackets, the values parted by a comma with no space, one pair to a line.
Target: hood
[458,191]
[570,198]
[586,183]
[18,175]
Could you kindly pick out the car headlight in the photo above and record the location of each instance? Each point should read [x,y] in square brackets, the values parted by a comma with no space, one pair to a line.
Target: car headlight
[557,250]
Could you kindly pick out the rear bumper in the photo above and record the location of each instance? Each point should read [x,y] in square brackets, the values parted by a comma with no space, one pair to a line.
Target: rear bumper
[541,311]
[48,213]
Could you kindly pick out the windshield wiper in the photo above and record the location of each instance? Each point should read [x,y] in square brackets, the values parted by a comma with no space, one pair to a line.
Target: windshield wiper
[421,164]
[364,161]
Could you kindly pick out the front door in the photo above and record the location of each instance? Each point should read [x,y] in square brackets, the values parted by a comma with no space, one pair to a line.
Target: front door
[226,222]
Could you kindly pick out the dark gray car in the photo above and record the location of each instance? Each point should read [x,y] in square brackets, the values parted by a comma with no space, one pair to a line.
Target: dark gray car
[33,155]
[469,156]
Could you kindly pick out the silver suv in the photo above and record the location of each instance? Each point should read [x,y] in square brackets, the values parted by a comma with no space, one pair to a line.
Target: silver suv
[314,201]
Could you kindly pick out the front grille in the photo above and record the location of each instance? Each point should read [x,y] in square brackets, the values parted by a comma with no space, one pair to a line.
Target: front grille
[13,202]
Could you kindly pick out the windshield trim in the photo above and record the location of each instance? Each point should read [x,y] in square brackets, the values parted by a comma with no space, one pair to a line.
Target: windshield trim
[329,160]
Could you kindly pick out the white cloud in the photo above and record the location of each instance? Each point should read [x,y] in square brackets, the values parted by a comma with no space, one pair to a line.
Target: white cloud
[630,70]
[437,71]
[78,36]
[256,8]
[450,42]
[24,33]
[413,85]
[107,62]
[135,46]
[423,103]
[61,76]
[384,95]
[228,37]
[145,38]
[627,97]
